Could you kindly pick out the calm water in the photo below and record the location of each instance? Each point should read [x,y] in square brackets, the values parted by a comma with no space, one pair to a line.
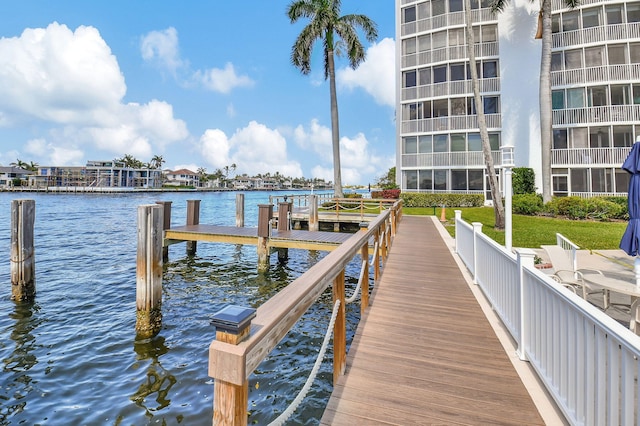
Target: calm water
[72,356]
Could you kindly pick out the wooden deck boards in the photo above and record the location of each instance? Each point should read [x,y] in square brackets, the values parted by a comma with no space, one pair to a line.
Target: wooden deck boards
[309,240]
[424,352]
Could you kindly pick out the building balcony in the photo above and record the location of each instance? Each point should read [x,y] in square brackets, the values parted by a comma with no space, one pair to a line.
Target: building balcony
[455,122]
[602,74]
[447,54]
[600,34]
[446,20]
[612,157]
[448,159]
[448,88]
[600,114]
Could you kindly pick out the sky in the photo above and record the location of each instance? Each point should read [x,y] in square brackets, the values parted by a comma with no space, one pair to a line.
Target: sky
[204,84]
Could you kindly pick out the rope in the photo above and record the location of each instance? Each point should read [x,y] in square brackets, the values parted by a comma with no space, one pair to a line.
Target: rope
[314,372]
[354,296]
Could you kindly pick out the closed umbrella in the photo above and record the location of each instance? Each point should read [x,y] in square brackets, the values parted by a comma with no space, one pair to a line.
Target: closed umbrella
[630,241]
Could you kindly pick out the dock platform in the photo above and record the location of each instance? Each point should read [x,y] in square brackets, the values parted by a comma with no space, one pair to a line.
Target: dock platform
[424,352]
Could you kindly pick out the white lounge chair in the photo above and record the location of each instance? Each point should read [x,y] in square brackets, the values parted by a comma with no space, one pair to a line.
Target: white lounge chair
[566,272]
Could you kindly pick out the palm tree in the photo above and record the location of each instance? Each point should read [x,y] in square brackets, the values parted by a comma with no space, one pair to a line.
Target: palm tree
[496,197]
[157,161]
[20,164]
[327,25]
[546,125]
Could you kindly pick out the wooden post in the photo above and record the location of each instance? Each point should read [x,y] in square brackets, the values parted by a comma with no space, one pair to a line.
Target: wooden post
[265,213]
[193,218]
[376,257]
[339,330]
[314,224]
[284,209]
[364,253]
[166,224]
[23,263]
[233,325]
[149,270]
[240,210]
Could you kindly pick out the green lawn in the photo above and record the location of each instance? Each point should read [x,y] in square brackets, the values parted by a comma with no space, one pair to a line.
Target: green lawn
[533,231]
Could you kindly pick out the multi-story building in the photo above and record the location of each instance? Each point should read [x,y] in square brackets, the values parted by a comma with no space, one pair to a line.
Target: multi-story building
[595,81]
[96,174]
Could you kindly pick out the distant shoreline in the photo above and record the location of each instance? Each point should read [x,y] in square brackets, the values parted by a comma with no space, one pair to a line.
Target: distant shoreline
[120,190]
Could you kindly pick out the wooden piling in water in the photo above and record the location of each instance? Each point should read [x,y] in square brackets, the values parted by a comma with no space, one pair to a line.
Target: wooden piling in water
[314,223]
[166,224]
[284,210]
[23,264]
[193,218]
[265,213]
[240,210]
[149,270]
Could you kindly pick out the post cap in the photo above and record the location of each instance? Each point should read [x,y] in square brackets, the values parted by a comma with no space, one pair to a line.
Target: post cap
[233,319]
[364,224]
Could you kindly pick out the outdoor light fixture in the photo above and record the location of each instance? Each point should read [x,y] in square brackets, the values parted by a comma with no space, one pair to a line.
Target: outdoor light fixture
[232,323]
[508,161]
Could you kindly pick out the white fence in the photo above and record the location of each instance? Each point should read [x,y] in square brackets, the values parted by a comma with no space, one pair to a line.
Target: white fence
[588,362]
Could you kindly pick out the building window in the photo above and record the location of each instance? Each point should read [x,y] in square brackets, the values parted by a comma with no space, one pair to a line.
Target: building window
[560,187]
[409,78]
[579,180]
[597,96]
[459,180]
[408,14]
[633,13]
[424,76]
[556,61]
[441,108]
[622,180]
[490,104]
[617,54]
[424,43]
[427,109]
[575,98]
[622,136]
[489,69]
[440,74]
[455,5]
[557,99]
[411,179]
[636,94]
[591,17]
[423,10]
[634,50]
[458,106]
[456,37]
[593,56]
[440,180]
[438,7]
[601,180]
[573,59]
[458,142]
[620,95]
[559,138]
[425,144]
[570,21]
[426,180]
[409,46]
[440,143]
[410,145]
[599,137]
[614,14]
[475,142]
[457,72]
[475,180]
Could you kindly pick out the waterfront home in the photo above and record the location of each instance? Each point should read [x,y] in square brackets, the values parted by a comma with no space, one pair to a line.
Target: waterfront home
[182,177]
[9,176]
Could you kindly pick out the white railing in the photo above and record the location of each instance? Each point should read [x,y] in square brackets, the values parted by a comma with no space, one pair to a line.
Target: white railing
[461,122]
[598,114]
[445,20]
[570,248]
[603,73]
[448,159]
[599,34]
[588,362]
[599,156]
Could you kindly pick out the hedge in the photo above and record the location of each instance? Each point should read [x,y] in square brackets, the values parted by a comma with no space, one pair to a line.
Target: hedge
[418,199]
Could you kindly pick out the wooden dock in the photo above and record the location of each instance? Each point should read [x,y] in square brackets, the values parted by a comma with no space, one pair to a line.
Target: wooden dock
[308,240]
[424,352]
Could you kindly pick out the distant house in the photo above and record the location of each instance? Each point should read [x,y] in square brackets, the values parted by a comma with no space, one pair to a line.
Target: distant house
[182,177]
[9,175]
[96,174]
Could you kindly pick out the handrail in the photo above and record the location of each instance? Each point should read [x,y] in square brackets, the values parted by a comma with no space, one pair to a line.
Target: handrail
[231,365]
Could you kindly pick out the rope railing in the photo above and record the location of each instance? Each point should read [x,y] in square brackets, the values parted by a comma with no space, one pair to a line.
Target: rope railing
[288,412]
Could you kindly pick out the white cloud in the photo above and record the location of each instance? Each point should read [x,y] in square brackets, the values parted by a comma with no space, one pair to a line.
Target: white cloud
[376,75]
[71,81]
[58,75]
[254,149]
[47,153]
[161,47]
[356,160]
[222,80]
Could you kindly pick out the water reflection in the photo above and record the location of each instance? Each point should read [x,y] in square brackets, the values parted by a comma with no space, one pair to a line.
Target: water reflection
[159,380]
[16,383]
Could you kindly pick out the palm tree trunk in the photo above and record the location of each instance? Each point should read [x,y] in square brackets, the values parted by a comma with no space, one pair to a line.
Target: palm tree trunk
[498,208]
[335,127]
[546,127]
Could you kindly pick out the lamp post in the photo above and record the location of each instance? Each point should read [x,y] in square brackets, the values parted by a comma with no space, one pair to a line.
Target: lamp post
[507,165]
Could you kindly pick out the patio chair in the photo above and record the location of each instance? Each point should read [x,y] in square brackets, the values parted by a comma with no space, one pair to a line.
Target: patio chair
[569,275]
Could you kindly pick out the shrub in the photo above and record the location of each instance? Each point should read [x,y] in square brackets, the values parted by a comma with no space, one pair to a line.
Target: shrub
[389,194]
[524,180]
[527,204]
[420,199]
[585,208]
[352,195]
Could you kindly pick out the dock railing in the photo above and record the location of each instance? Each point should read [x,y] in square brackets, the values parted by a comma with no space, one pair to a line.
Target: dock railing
[588,362]
[232,364]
